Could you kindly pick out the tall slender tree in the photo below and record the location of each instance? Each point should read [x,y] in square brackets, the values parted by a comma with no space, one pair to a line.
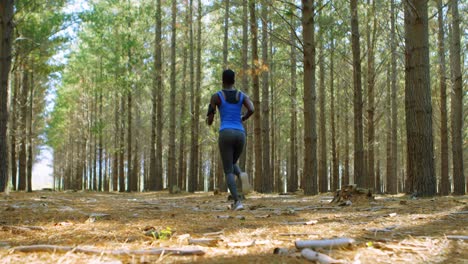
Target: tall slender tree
[323,164]
[6,34]
[292,173]
[155,181]
[418,108]
[359,171]
[192,178]
[226,34]
[267,184]
[310,132]
[335,164]
[457,103]
[171,165]
[371,39]
[196,132]
[444,162]
[392,177]
[256,98]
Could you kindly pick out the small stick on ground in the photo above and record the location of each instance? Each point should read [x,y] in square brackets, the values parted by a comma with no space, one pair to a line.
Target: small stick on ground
[152,251]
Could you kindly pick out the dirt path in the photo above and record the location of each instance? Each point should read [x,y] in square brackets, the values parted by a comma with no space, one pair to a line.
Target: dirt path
[388,230]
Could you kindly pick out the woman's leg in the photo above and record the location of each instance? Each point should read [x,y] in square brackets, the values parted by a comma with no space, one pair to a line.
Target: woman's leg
[226,148]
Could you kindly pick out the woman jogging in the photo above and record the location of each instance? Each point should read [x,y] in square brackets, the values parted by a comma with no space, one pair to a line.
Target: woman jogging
[231,139]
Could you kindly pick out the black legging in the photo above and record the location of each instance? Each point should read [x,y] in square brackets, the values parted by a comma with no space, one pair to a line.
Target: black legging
[231,143]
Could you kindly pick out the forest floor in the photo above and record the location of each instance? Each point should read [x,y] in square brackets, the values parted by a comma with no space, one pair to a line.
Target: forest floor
[390,229]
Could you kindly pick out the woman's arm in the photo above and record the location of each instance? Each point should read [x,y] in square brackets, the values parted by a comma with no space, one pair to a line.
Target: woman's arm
[250,108]
[212,109]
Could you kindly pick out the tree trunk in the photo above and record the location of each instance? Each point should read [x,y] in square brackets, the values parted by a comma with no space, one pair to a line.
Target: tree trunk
[115,163]
[359,171]
[198,94]
[389,167]
[192,179]
[322,169]
[267,183]
[420,167]
[122,146]
[256,100]
[292,174]
[6,33]
[247,153]
[457,104]
[160,100]
[371,35]
[30,131]
[171,166]
[226,30]
[101,125]
[310,134]
[23,104]
[13,129]
[182,169]
[444,162]
[346,177]
[392,178]
[335,166]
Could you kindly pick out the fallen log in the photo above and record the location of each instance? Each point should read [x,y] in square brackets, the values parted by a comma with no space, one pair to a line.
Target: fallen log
[152,251]
[324,243]
[311,255]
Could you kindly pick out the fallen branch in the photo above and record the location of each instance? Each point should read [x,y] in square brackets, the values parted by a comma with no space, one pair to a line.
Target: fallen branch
[458,237]
[311,255]
[311,222]
[207,242]
[64,249]
[325,243]
[298,234]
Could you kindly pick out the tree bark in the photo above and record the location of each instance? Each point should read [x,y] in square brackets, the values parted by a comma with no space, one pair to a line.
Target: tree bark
[389,166]
[23,104]
[122,146]
[292,174]
[267,181]
[310,132]
[226,31]
[115,163]
[198,78]
[246,156]
[171,166]
[420,167]
[444,158]
[392,178]
[323,166]
[457,104]
[359,171]
[30,131]
[192,179]
[6,33]
[335,164]
[13,129]
[159,99]
[371,39]
[182,169]
[256,100]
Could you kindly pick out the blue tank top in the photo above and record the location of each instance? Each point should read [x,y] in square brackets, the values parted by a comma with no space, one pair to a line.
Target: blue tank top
[231,113]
